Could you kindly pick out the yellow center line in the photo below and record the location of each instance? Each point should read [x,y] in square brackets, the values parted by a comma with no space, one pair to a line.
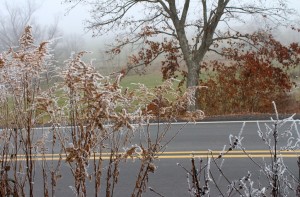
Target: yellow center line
[224,156]
[233,151]
[164,157]
[182,152]
[174,155]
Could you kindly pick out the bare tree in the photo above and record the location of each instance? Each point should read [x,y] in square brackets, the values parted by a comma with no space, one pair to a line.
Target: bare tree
[15,17]
[195,27]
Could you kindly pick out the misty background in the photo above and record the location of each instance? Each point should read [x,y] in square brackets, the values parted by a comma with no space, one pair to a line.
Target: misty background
[67,24]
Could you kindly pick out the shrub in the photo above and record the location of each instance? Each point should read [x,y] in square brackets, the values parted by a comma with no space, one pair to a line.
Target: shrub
[253,77]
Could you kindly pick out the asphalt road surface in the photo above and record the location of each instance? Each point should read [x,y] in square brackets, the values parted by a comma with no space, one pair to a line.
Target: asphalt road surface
[202,140]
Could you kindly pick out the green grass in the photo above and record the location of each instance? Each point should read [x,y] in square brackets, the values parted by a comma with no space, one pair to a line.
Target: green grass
[149,80]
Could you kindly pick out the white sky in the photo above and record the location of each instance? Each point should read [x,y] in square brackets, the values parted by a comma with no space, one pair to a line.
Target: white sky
[70,22]
[73,21]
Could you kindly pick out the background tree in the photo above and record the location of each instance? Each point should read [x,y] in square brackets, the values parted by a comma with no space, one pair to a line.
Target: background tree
[193,27]
[15,17]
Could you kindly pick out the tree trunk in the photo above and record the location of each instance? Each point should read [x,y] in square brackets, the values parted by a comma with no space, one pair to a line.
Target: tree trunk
[193,66]
[193,81]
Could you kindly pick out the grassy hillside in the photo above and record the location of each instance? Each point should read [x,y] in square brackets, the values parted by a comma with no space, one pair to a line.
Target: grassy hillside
[150,80]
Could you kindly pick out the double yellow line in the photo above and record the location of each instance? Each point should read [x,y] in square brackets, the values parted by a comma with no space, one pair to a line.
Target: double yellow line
[230,154]
[178,155]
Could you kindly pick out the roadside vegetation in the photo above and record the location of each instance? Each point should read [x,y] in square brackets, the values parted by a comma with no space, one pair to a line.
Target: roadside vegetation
[254,75]
[95,122]
[288,102]
[245,80]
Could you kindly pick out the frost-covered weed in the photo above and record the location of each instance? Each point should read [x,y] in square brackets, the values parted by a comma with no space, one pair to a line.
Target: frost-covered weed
[275,177]
[91,118]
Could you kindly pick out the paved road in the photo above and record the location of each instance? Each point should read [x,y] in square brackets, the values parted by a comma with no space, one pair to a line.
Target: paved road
[170,179]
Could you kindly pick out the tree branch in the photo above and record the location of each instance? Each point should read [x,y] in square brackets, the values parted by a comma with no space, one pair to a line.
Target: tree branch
[184,12]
